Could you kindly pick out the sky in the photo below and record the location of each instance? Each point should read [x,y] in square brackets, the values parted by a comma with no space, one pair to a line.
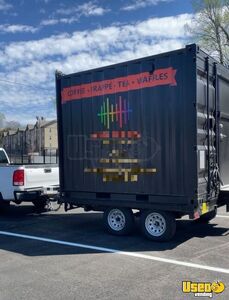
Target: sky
[38,37]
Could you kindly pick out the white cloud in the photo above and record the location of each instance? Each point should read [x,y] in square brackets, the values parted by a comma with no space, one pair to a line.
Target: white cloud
[4,6]
[34,62]
[136,4]
[49,22]
[44,1]
[108,39]
[42,11]
[15,28]
[87,9]
[74,13]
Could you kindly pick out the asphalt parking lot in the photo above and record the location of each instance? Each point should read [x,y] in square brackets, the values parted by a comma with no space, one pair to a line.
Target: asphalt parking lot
[73,263]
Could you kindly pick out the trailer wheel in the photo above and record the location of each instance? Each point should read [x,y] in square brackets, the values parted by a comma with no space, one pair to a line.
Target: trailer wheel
[118,221]
[158,225]
[207,217]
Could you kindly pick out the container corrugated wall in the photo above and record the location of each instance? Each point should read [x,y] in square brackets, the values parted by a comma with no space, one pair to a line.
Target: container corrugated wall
[138,137]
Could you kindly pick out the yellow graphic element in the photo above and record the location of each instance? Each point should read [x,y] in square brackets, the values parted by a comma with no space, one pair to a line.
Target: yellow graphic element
[200,289]
[119,160]
[117,165]
[114,170]
[121,142]
[125,178]
[205,208]
[126,142]
[105,160]
[133,178]
[120,174]
[218,287]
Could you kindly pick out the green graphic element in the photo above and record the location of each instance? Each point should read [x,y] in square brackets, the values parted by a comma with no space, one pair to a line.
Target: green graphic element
[120,112]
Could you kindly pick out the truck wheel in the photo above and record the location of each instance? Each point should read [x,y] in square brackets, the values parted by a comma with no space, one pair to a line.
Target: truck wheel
[207,217]
[4,205]
[118,221]
[158,225]
[40,203]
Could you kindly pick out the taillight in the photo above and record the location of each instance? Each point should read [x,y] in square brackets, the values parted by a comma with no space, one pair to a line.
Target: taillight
[18,178]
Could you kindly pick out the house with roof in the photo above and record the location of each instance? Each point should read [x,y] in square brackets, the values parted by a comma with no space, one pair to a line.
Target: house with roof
[38,138]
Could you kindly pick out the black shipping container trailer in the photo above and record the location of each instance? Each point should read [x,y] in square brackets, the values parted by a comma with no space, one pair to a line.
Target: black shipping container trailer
[150,134]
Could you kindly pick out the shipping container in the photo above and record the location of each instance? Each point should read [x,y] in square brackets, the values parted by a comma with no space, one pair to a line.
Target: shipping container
[150,135]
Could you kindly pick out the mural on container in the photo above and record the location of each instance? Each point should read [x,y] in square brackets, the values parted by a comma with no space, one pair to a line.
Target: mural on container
[119,163]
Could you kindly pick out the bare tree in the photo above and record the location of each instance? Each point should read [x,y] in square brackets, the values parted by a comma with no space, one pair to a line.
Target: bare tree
[7,125]
[13,124]
[210,27]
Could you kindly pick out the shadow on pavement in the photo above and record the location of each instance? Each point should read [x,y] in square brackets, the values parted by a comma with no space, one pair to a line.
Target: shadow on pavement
[85,228]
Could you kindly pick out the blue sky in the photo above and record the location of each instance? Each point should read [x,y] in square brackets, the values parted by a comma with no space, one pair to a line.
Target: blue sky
[39,36]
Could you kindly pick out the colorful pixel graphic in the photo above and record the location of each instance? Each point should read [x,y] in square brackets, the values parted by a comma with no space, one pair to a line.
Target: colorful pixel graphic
[110,113]
[118,164]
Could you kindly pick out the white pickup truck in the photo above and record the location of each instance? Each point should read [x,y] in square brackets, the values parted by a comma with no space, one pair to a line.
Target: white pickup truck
[26,183]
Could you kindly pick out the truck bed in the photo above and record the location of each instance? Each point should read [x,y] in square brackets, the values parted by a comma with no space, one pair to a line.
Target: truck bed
[36,178]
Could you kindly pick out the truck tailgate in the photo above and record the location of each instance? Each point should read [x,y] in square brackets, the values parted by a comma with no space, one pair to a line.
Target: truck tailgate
[6,181]
[45,176]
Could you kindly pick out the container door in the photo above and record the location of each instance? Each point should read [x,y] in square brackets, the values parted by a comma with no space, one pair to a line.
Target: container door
[207,133]
[224,132]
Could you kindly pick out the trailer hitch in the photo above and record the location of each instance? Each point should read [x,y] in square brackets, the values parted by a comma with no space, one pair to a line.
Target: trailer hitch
[68,206]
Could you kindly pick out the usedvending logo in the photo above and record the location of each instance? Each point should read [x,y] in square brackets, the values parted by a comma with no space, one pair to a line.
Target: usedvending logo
[203,289]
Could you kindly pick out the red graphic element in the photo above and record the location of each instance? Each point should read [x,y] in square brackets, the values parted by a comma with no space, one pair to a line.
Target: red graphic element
[116,135]
[100,135]
[133,134]
[120,84]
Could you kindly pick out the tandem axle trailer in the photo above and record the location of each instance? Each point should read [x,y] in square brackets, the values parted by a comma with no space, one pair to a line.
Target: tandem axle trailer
[151,135]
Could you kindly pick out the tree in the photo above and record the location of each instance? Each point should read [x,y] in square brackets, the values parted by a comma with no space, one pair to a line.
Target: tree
[7,125]
[210,27]
[13,124]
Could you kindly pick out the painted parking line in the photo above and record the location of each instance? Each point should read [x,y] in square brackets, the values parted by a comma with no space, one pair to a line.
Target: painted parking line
[222,216]
[115,251]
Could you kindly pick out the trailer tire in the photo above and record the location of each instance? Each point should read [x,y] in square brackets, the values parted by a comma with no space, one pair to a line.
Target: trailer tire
[207,217]
[118,221]
[159,226]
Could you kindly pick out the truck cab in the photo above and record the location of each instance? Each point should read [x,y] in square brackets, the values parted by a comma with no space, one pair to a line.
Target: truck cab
[4,159]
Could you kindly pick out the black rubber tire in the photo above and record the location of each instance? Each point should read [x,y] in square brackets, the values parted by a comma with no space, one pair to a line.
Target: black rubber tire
[40,203]
[170,223]
[4,205]
[204,219]
[129,221]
